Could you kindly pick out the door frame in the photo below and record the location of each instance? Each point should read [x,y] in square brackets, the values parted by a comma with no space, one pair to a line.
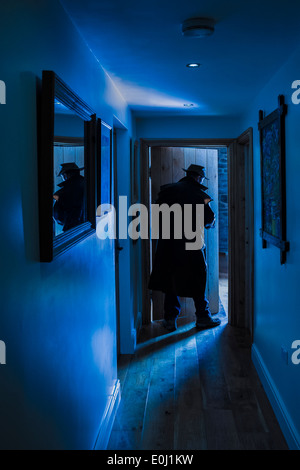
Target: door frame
[126,335]
[241,230]
[145,145]
[236,149]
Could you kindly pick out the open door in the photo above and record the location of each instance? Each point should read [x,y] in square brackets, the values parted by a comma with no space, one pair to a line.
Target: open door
[167,164]
[240,220]
[241,243]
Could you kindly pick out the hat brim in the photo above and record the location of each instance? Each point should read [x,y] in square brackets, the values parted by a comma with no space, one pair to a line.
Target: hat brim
[70,169]
[198,174]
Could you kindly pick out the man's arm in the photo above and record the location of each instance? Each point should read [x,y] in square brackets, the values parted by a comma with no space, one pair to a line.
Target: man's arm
[209,216]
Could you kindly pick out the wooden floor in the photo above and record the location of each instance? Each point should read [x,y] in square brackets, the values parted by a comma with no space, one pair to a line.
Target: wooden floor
[193,390]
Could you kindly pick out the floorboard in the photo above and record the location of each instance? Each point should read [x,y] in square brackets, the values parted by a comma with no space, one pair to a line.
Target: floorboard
[193,390]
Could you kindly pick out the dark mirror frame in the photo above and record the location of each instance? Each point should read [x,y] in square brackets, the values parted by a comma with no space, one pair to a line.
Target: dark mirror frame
[53,87]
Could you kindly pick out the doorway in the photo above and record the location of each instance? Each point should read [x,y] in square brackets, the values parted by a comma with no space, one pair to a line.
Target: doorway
[125,332]
[237,264]
[166,165]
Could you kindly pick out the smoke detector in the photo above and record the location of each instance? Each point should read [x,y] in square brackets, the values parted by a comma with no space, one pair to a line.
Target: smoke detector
[198,27]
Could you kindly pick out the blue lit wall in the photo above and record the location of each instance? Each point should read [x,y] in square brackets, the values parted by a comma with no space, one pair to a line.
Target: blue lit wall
[58,320]
[188,127]
[276,291]
[277,318]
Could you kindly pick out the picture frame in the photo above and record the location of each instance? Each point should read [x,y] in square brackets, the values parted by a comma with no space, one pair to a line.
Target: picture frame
[104,163]
[273,184]
[64,120]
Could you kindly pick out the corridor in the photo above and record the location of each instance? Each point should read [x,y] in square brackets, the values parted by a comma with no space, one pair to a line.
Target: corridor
[193,390]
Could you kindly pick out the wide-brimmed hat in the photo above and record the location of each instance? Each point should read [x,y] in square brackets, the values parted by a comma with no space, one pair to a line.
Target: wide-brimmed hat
[198,169]
[65,167]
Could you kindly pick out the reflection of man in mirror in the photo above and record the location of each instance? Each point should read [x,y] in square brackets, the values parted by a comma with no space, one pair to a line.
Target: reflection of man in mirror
[68,209]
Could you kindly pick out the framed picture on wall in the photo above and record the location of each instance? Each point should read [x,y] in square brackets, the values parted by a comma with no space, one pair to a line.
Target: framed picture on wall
[104,163]
[273,190]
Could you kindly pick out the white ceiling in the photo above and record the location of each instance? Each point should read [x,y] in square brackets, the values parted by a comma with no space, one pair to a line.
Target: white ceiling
[140,45]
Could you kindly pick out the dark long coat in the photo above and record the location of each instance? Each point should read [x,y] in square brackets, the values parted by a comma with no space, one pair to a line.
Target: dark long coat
[175,269]
[69,209]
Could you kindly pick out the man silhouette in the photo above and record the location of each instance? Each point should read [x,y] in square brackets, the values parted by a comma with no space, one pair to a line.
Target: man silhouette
[68,209]
[177,271]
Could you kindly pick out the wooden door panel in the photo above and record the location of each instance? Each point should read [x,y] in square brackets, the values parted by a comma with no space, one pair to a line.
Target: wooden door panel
[166,173]
[212,235]
[189,157]
[241,261]
[178,164]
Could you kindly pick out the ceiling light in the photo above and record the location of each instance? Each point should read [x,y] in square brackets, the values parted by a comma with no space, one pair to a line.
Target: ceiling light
[198,27]
[193,65]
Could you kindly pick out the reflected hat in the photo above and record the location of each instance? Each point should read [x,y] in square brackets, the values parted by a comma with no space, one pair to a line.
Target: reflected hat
[198,169]
[65,167]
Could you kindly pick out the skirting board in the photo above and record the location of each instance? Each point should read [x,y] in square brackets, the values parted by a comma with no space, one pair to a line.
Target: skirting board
[108,418]
[287,426]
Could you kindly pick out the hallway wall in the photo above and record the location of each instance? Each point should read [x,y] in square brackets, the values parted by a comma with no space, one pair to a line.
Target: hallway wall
[276,303]
[187,127]
[277,320]
[57,320]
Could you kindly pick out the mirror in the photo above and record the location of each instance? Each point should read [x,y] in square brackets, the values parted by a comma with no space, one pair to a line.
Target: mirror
[67,203]
[69,182]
